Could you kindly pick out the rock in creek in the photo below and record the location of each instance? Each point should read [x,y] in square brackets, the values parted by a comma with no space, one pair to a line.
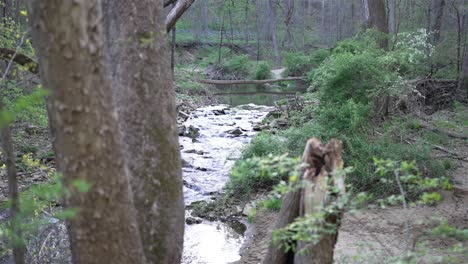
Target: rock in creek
[193,220]
[236,132]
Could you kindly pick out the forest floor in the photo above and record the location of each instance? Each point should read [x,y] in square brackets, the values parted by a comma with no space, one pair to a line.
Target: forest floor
[374,235]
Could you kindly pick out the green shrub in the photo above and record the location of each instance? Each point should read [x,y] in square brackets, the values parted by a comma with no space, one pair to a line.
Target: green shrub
[296,63]
[272,204]
[264,144]
[319,56]
[346,76]
[238,65]
[262,71]
[256,174]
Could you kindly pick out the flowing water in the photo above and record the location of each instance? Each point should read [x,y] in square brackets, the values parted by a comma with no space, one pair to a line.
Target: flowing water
[223,133]
[209,158]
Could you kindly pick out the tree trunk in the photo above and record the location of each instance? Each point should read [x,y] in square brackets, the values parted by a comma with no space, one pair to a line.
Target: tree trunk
[173,48]
[288,21]
[438,20]
[19,250]
[257,30]
[378,19]
[145,101]
[392,16]
[85,132]
[246,24]
[274,37]
[322,161]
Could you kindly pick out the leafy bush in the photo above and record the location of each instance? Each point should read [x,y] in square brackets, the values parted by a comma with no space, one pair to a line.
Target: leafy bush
[272,204]
[346,76]
[264,144]
[254,174]
[297,63]
[238,65]
[262,71]
[319,56]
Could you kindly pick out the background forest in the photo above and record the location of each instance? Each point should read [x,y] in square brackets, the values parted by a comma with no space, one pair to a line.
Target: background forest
[92,100]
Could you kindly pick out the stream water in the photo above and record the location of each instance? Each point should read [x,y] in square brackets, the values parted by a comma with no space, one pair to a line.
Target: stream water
[223,133]
[224,130]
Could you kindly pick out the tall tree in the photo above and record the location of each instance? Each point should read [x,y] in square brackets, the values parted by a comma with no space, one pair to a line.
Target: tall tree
[378,19]
[145,101]
[437,27]
[69,41]
[274,33]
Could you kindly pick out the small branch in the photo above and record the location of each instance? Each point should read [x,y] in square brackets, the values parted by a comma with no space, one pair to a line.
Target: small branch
[177,12]
[169,2]
[231,82]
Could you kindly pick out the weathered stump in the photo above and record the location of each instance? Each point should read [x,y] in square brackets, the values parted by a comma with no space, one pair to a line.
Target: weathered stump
[322,162]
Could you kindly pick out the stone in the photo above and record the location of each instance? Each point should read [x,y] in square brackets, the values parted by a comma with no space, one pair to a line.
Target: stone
[260,127]
[280,123]
[193,220]
[248,209]
[193,132]
[235,132]
[185,164]
[181,130]
[219,112]
[194,151]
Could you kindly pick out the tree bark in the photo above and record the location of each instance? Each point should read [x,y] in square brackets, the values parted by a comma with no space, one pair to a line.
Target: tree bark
[378,19]
[392,16]
[438,20]
[19,250]
[143,91]
[70,44]
[274,37]
[324,161]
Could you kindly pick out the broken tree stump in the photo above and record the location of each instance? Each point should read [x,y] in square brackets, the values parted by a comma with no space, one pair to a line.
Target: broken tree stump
[318,175]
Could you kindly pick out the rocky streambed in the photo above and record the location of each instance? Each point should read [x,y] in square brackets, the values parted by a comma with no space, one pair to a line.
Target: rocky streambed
[211,141]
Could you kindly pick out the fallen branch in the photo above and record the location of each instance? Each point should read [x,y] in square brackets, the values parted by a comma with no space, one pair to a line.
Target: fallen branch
[231,82]
[440,131]
[21,59]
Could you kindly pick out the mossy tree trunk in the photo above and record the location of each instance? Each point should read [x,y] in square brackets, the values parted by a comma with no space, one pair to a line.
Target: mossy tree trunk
[69,41]
[145,101]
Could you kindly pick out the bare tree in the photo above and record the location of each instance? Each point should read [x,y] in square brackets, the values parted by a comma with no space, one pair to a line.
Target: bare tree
[86,137]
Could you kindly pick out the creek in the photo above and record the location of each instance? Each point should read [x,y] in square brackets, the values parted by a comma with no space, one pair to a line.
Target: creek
[218,134]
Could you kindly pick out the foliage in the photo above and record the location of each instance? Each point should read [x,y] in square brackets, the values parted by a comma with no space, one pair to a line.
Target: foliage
[260,173]
[264,144]
[404,175]
[25,107]
[272,203]
[262,71]
[361,77]
[296,63]
[38,200]
[238,65]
